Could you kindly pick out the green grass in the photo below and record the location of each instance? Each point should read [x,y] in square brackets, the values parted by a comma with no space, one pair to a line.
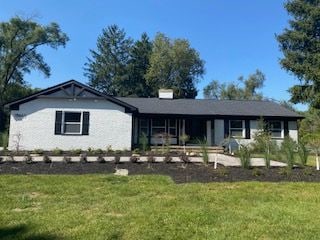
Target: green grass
[153,207]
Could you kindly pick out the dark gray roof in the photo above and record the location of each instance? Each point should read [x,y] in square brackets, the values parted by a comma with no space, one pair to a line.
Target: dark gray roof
[209,107]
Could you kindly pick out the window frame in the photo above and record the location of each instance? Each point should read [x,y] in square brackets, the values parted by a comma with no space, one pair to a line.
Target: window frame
[242,129]
[145,127]
[158,127]
[273,130]
[175,127]
[63,123]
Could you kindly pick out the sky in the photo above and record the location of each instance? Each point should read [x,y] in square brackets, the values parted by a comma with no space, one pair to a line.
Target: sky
[234,38]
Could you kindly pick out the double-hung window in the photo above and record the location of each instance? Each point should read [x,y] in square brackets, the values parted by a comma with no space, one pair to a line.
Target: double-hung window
[158,126]
[236,128]
[72,122]
[275,128]
[172,127]
[144,126]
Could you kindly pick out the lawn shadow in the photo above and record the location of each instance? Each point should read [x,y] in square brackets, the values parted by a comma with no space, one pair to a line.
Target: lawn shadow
[23,232]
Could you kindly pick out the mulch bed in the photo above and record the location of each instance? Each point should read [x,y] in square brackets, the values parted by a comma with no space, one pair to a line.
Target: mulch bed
[193,172]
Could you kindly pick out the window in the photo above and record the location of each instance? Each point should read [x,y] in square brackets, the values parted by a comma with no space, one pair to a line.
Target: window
[275,128]
[172,127]
[236,128]
[158,126]
[72,123]
[144,126]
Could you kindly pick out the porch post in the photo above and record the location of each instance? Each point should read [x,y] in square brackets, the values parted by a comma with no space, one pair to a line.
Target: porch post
[209,132]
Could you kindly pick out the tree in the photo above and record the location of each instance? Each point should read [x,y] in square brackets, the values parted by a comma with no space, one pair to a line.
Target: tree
[138,65]
[107,69]
[174,64]
[300,44]
[246,91]
[19,41]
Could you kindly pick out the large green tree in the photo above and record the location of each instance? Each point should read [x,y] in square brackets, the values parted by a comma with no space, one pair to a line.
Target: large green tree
[138,65]
[107,69]
[300,44]
[245,89]
[174,64]
[20,40]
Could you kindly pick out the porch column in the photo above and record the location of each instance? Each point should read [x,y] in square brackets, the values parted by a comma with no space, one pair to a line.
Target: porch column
[209,132]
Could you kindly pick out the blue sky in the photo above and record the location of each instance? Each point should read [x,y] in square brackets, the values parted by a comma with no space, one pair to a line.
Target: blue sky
[233,37]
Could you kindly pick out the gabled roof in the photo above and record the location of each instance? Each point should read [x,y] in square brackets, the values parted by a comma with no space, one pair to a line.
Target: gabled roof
[206,107]
[71,89]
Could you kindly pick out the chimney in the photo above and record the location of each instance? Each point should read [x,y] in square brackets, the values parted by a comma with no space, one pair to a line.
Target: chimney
[165,94]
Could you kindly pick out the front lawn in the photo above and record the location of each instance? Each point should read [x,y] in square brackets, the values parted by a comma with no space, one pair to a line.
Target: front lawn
[153,207]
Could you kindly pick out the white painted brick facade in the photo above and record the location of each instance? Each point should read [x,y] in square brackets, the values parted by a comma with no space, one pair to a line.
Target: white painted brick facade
[35,122]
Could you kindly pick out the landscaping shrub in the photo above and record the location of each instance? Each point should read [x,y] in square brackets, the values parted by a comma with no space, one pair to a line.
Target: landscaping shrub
[67,159]
[38,151]
[97,151]
[46,159]
[303,153]
[109,149]
[167,158]
[83,158]
[28,159]
[256,172]
[100,159]
[4,139]
[184,158]
[57,151]
[222,172]
[245,156]
[136,151]
[288,147]
[118,152]
[285,171]
[134,159]
[307,171]
[204,151]
[143,142]
[76,151]
[1,160]
[117,159]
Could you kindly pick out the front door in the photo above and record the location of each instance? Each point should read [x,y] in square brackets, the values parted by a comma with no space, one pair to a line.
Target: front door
[195,129]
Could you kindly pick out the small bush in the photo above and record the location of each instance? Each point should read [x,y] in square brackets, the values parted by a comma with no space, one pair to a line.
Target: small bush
[98,151]
[76,151]
[288,147]
[167,158]
[67,159]
[134,159]
[256,172]
[28,159]
[307,171]
[118,152]
[100,159]
[222,172]
[144,142]
[109,149]
[4,139]
[285,171]
[38,151]
[136,151]
[151,158]
[46,159]
[117,159]
[185,158]
[245,156]
[83,158]
[204,151]
[303,153]
[57,151]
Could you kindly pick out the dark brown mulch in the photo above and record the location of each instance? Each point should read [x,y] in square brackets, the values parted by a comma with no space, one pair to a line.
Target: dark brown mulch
[179,172]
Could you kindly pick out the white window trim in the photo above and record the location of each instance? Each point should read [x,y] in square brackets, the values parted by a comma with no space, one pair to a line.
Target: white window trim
[282,129]
[175,127]
[140,120]
[243,129]
[63,123]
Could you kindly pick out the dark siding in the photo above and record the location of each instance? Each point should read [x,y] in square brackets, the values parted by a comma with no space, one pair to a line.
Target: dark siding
[58,122]
[85,123]
[286,128]
[247,126]
[226,128]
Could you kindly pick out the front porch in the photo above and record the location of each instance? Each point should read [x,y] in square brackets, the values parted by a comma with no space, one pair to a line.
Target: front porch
[196,128]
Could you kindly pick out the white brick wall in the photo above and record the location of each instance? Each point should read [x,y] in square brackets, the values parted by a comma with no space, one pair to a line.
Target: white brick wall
[35,121]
